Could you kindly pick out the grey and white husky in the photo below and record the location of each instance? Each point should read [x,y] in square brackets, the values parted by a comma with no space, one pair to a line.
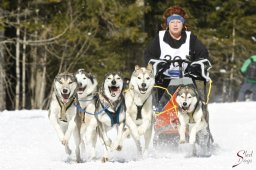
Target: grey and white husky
[87,88]
[110,111]
[63,113]
[190,113]
[139,105]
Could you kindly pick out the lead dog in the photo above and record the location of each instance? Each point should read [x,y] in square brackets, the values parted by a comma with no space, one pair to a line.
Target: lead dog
[63,114]
[87,88]
[190,113]
[110,111]
[138,101]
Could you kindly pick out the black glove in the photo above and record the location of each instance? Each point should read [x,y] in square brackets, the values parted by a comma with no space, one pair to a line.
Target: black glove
[199,70]
[193,71]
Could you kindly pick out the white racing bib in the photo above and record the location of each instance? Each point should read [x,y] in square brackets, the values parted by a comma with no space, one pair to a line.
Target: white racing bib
[180,53]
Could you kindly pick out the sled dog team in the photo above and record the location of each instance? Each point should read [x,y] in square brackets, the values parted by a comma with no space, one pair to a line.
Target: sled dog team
[80,109]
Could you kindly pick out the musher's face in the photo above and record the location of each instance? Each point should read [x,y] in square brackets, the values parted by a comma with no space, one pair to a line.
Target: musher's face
[175,27]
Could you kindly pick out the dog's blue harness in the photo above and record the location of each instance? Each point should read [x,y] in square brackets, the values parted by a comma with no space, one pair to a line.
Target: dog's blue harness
[114,116]
[84,111]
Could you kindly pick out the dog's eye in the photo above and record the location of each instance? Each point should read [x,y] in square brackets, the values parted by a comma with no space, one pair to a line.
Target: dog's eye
[70,82]
[118,78]
[139,78]
[109,78]
[147,78]
[84,78]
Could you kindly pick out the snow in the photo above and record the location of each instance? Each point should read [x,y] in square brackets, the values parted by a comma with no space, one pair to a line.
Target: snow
[28,142]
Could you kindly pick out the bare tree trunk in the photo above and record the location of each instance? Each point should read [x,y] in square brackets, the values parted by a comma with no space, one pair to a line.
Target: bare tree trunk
[141,3]
[234,40]
[2,76]
[24,71]
[17,89]
[40,81]
[33,69]
[43,85]
[2,80]
[40,84]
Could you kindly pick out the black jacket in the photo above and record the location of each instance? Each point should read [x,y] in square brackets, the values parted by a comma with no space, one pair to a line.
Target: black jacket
[197,49]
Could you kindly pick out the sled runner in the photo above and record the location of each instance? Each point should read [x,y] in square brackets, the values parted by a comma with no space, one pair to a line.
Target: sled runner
[166,107]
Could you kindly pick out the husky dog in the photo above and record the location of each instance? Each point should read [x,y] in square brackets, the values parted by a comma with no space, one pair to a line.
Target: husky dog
[87,87]
[138,101]
[63,113]
[110,111]
[189,113]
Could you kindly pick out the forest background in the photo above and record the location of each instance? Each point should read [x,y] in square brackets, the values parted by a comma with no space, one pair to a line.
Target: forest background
[41,38]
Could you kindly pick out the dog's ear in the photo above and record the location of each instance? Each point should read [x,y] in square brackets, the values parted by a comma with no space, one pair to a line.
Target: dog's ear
[91,77]
[72,77]
[56,78]
[120,75]
[106,75]
[80,70]
[178,90]
[150,67]
[137,67]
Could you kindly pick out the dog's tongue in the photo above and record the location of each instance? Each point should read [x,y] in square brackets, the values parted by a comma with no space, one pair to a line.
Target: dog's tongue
[65,100]
[113,93]
[81,89]
[185,108]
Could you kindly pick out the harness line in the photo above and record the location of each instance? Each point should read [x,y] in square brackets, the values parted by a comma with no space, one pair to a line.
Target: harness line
[209,91]
[175,107]
[84,111]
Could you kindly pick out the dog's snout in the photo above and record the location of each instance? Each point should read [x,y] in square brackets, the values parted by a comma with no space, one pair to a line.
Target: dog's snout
[80,84]
[184,103]
[143,85]
[113,82]
[65,91]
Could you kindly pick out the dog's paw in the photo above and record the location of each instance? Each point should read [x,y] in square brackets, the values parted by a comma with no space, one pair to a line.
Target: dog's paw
[114,146]
[145,154]
[68,150]
[182,141]
[104,159]
[119,148]
[64,142]
[190,151]
[79,161]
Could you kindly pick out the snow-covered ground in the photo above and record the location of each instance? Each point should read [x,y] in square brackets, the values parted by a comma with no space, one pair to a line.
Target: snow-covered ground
[29,142]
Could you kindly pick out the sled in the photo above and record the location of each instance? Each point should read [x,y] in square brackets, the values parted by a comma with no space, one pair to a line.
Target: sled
[166,119]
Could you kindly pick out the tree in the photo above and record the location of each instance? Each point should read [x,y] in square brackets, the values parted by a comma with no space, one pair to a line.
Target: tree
[2,70]
[93,34]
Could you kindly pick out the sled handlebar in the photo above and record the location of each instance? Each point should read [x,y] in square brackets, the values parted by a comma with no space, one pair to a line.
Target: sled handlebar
[161,65]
